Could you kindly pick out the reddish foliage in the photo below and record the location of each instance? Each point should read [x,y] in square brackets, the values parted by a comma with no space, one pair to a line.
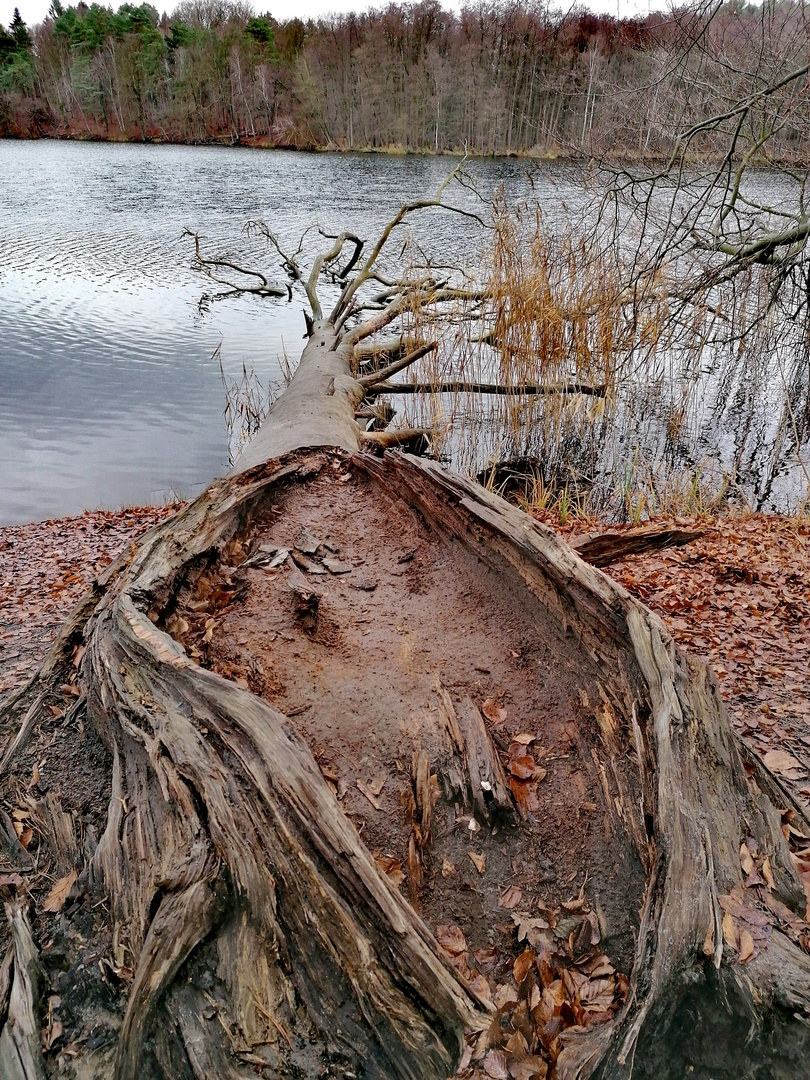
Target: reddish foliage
[740,598]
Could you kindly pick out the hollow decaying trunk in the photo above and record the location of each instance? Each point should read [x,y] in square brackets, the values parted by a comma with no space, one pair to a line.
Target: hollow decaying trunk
[233,916]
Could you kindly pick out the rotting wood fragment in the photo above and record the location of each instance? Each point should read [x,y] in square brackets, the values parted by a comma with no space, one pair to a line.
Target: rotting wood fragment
[608,547]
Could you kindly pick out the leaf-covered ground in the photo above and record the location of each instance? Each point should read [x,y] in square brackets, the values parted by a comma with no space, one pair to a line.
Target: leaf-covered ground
[44,569]
[740,598]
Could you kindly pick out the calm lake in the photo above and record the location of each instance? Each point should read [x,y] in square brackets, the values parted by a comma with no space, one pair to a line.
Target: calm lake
[108,391]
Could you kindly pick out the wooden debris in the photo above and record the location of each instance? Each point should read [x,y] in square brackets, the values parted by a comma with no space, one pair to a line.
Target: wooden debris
[477,759]
[601,549]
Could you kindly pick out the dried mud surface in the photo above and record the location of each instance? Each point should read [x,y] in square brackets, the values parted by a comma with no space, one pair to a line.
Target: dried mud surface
[405,615]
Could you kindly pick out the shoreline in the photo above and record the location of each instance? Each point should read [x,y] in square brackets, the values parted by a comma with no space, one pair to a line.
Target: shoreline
[545,156]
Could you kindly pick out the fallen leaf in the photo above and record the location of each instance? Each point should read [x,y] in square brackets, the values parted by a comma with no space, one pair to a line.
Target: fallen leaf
[525,924]
[495,1065]
[522,966]
[447,868]
[730,932]
[601,967]
[494,712]
[528,1067]
[56,898]
[377,784]
[53,1034]
[746,862]
[516,1044]
[505,995]
[26,837]
[780,761]
[767,873]
[746,946]
[392,868]
[479,860]
[525,738]
[597,995]
[370,794]
[479,985]
[451,939]
[574,905]
[526,768]
[466,1058]
[511,898]
[486,957]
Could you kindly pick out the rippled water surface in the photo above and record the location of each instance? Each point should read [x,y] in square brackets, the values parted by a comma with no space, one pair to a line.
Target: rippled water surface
[108,391]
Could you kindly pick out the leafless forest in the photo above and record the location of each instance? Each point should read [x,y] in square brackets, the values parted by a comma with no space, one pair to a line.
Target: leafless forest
[499,78]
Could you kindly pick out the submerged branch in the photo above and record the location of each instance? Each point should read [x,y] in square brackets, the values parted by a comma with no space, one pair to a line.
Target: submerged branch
[501,389]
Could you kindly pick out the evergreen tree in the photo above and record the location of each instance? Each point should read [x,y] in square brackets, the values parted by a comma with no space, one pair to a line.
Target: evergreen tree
[19,32]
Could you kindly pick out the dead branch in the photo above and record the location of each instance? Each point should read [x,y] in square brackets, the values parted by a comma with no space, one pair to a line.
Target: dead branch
[371,380]
[603,549]
[499,389]
[208,266]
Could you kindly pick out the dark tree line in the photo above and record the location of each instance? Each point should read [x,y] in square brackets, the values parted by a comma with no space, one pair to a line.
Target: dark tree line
[497,78]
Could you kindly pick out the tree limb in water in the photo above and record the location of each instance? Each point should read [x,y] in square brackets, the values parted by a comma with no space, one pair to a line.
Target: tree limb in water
[286,684]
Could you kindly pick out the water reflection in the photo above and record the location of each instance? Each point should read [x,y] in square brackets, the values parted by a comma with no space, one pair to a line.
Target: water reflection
[108,393]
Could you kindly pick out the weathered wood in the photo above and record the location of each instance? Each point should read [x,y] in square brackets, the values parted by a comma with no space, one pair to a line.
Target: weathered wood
[316,409]
[59,831]
[20,1047]
[602,549]
[687,828]
[455,386]
[478,761]
[13,855]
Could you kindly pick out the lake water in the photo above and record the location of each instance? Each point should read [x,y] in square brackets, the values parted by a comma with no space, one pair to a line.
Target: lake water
[108,391]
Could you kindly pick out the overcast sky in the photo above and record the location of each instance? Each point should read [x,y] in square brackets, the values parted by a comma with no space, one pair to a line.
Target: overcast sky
[34,11]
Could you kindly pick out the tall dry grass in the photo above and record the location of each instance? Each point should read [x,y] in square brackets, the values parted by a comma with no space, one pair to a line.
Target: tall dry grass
[703,392]
[659,398]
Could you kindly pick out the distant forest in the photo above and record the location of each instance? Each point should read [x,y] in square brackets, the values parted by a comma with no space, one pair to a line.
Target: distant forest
[499,78]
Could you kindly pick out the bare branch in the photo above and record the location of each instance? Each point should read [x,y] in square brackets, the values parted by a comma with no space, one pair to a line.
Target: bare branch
[207,267]
[407,208]
[387,439]
[323,260]
[500,389]
[376,377]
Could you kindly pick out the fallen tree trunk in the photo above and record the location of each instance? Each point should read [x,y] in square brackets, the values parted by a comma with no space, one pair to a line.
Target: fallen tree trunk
[339,688]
